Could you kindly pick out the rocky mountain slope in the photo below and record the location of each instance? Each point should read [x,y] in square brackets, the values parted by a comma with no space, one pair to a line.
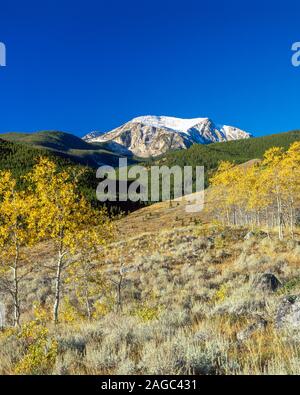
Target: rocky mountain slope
[148,136]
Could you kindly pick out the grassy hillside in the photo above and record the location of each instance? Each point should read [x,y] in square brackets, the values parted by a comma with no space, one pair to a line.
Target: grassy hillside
[67,145]
[74,148]
[71,148]
[49,139]
[19,158]
[238,151]
[170,293]
[193,302]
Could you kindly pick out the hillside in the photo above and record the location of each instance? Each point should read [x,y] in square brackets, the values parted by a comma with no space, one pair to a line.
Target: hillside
[238,151]
[67,145]
[195,300]
[20,157]
[24,148]
[96,153]
[167,293]
[49,139]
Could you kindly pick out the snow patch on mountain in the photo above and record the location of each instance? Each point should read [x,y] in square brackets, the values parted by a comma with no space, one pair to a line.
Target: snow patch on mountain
[152,135]
[177,124]
[92,135]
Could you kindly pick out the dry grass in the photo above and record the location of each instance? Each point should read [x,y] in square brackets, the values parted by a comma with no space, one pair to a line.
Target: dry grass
[187,293]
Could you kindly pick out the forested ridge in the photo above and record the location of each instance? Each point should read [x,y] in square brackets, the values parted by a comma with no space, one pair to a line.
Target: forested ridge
[237,151]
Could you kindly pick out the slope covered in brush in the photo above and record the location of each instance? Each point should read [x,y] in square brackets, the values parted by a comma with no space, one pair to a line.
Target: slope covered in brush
[67,145]
[238,151]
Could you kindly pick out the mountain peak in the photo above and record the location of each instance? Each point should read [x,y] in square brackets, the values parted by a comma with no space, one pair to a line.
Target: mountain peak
[92,135]
[174,123]
[152,135]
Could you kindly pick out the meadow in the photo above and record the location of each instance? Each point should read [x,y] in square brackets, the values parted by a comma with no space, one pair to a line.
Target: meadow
[156,291]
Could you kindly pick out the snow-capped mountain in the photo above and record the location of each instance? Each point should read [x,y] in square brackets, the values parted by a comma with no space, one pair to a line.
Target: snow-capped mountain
[92,135]
[154,135]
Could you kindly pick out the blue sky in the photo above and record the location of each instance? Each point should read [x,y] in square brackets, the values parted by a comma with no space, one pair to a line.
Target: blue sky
[89,65]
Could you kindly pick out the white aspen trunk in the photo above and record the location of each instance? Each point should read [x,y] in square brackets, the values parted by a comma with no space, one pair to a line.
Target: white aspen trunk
[246,219]
[234,216]
[59,267]
[258,218]
[119,293]
[241,216]
[228,217]
[87,300]
[292,220]
[268,222]
[17,310]
[252,222]
[279,217]
[88,306]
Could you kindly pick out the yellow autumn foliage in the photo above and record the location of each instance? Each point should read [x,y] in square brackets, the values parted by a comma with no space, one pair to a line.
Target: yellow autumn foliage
[261,194]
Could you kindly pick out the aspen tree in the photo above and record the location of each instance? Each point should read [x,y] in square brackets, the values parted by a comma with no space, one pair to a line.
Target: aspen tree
[261,194]
[85,272]
[62,215]
[271,182]
[221,183]
[290,174]
[15,209]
